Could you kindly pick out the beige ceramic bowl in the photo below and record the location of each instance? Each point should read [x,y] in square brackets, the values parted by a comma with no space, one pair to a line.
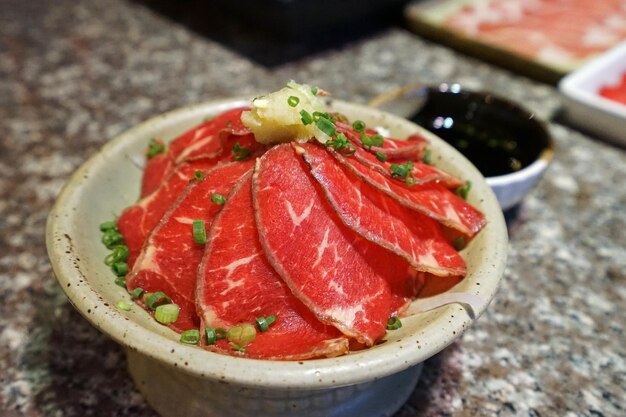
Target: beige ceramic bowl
[181,380]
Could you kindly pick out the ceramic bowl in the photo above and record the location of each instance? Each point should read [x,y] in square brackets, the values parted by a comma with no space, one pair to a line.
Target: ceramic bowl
[442,108]
[182,380]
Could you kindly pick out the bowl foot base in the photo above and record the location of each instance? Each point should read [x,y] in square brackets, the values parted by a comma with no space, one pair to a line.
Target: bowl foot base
[176,393]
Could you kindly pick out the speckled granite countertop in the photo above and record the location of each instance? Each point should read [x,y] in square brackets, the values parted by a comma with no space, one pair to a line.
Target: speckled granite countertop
[74,74]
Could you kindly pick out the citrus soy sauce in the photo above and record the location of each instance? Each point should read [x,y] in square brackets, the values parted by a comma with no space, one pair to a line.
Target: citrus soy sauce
[497,136]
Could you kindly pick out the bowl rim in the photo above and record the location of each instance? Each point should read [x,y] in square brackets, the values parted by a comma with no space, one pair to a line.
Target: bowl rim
[357,367]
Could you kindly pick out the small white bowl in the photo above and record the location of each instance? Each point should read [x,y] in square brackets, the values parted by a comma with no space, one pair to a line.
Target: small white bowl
[585,107]
[182,380]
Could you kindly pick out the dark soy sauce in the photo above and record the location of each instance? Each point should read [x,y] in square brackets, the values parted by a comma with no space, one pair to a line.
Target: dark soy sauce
[497,136]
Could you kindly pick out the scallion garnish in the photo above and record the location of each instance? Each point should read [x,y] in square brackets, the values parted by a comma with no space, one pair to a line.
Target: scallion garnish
[112,237]
[136,293]
[263,323]
[403,171]
[359,126]
[190,337]
[240,153]
[199,232]
[314,90]
[155,147]
[106,226]
[218,199]
[123,305]
[119,254]
[427,156]
[153,300]
[374,140]
[306,117]
[381,156]
[394,323]
[166,313]
[341,144]
[241,334]
[459,243]
[293,101]
[199,175]
[463,190]
[120,281]
[120,269]
[213,335]
[326,126]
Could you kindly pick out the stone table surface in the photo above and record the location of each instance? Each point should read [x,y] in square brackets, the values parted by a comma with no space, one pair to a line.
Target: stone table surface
[75,74]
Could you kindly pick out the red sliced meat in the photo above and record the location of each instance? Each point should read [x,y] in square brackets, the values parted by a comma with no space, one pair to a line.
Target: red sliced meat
[203,141]
[411,149]
[314,252]
[236,284]
[413,236]
[137,221]
[169,259]
[156,171]
[213,139]
[432,199]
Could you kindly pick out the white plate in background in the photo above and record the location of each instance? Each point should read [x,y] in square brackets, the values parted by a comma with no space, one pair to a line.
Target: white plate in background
[585,107]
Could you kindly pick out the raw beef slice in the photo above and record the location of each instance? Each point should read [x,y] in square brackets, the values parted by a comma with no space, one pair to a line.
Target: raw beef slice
[314,252]
[237,284]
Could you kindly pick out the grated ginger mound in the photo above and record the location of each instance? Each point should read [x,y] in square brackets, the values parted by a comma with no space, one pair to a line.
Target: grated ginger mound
[273,120]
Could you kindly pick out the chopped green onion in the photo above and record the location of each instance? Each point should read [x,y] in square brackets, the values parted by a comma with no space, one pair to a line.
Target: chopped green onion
[394,323]
[199,175]
[190,337]
[119,254]
[378,140]
[374,140]
[463,190]
[153,300]
[341,143]
[306,117]
[166,313]
[106,226]
[293,101]
[199,232]
[322,115]
[120,269]
[121,281]
[211,336]
[123,305]
[241,334]
[381,156]
[112,237]
[326,126]
[403,171]
[155,147]
[218,199]
[136,293]
[263,323]
[240,153]
[427,156]
[314,90]
[359,126]
[459,243]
